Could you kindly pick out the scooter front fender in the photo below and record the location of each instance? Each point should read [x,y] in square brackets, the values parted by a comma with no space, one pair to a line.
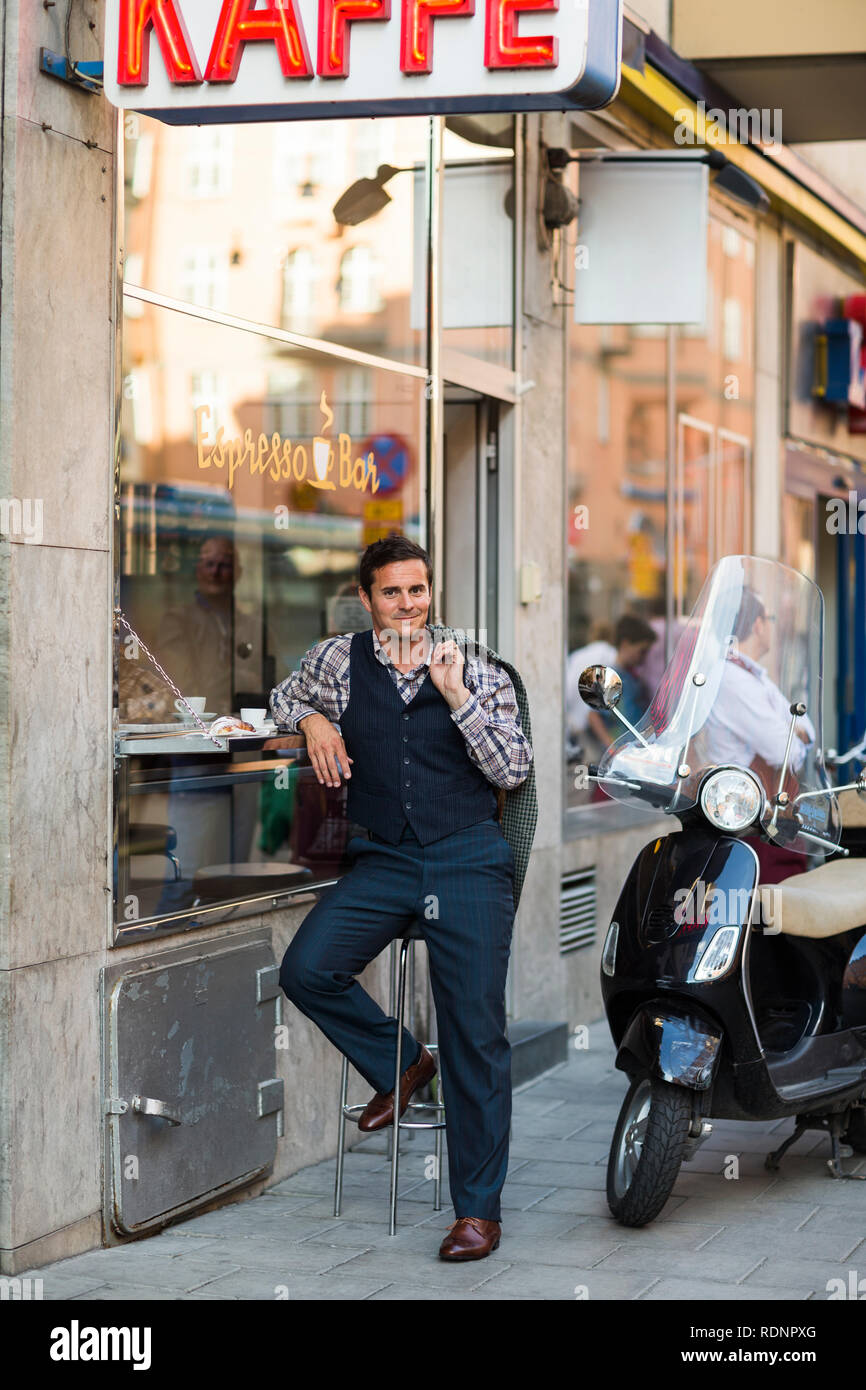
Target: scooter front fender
[675,1044]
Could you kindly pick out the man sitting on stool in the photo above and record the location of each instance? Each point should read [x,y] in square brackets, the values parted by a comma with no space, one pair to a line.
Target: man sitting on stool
[426,738]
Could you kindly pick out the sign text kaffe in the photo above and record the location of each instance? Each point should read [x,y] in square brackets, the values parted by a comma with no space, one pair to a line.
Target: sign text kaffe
[194,59]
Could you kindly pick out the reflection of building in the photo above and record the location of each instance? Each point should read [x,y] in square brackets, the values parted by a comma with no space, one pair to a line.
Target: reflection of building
[247,301]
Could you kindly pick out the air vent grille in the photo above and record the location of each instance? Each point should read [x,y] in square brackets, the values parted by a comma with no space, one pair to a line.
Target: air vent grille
[577,911]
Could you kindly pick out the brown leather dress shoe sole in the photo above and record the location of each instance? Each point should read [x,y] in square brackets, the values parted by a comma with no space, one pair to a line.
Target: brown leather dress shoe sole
[470,1238]
[379,1113]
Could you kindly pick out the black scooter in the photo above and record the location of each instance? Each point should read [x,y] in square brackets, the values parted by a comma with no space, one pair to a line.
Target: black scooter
[734,986]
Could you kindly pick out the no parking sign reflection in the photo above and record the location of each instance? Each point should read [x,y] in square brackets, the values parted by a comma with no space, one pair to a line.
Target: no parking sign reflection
[392,457]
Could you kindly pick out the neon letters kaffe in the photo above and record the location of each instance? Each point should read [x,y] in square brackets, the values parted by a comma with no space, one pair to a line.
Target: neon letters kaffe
[280,24]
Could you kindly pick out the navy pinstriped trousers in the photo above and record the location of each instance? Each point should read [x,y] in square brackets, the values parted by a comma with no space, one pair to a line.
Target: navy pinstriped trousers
[460,891]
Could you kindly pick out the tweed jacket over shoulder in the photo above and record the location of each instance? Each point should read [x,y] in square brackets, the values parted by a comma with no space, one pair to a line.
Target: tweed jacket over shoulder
[520,811]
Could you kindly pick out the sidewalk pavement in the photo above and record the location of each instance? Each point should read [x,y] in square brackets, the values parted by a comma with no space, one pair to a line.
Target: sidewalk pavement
[755,1236]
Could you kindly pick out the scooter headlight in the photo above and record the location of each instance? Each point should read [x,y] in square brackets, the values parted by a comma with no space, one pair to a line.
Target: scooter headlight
[731,799]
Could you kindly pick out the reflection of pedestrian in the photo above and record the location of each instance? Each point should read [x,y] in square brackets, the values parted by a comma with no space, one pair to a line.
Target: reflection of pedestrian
[598,651]
[195,638]
[748,727]
[652,668]
[749,721]
[346,612]
[634,637]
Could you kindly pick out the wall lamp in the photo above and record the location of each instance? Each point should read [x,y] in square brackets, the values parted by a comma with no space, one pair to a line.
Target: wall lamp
[365,197]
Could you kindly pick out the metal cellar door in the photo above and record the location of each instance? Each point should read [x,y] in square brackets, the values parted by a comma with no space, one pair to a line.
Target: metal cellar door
[192,1102]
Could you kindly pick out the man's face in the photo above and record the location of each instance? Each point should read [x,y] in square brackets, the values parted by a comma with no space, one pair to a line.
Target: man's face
[762,635]
[215,570]
[632,653]
[400,598]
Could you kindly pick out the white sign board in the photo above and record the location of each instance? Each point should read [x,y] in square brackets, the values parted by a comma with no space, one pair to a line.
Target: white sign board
[194,61]
[641,254]
[477,270]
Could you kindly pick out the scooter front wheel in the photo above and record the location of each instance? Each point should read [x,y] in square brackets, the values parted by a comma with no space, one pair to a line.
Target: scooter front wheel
[647,1149]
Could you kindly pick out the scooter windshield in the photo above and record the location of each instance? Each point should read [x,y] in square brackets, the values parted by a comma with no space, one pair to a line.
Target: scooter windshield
[752,647]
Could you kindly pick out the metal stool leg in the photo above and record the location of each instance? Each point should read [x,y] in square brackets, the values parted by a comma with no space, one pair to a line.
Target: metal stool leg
[392,1009]
[437,1188]
[341,1137]
[405,947]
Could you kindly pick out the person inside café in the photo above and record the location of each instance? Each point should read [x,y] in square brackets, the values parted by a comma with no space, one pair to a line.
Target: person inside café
[195,638]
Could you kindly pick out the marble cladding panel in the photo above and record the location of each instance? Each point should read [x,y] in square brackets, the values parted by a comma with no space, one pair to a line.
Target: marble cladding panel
[59,694]
[52,1100]
[37,96]
[56,383]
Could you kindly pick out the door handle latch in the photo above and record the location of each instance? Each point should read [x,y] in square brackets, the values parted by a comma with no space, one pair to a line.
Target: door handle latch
[144,1105]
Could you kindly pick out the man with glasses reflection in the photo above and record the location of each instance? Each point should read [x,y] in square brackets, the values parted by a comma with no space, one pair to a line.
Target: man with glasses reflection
[195,638]
[749,722]
[426,737]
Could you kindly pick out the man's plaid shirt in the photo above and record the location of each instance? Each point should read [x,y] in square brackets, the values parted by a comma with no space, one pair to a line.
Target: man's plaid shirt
[489,720]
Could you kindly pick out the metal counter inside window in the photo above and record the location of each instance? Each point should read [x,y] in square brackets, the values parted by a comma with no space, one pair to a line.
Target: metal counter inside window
[205,835]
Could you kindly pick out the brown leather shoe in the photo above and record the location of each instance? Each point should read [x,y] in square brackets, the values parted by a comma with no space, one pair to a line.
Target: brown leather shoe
[380,1110]
[470,1238]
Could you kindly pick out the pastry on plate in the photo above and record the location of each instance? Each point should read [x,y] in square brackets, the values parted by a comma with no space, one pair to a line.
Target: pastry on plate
[230,724]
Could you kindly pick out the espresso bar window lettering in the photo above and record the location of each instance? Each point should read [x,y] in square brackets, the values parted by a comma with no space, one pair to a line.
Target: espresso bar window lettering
[253,471]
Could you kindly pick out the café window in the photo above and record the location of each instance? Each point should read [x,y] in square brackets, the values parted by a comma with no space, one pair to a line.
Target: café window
[252,472]
[305,159]
[208,171]
[299,291]
[627,532]
[273,251]
[204,277]
[359,282]
[239,544]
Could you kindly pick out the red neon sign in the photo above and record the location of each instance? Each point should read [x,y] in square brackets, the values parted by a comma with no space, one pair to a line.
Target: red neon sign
[503,47]
[239,23]
[334,19]
[137,17]
[279,22]
[416,35]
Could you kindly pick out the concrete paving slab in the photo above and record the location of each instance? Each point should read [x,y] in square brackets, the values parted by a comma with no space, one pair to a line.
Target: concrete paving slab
[758,1237]
[686,1291]
[720,1268]
[804,1244]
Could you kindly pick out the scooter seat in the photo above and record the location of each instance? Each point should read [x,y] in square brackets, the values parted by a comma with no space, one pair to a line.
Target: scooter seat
[852,809]
[823,902]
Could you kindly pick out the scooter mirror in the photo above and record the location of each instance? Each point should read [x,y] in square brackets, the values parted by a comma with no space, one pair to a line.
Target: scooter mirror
[600,687]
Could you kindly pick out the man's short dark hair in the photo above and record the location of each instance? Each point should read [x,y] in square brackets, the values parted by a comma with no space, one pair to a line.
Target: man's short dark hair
[387,552]
[750,610]
[631,628]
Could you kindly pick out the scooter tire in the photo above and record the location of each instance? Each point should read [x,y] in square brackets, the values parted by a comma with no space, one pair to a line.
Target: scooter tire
[855,1134]
[637,1191]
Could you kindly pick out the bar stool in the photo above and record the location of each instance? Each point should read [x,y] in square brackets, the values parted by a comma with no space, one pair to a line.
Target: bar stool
[406,946]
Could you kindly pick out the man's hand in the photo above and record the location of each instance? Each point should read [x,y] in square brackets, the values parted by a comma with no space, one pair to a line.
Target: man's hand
[325,746]
[446,673]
